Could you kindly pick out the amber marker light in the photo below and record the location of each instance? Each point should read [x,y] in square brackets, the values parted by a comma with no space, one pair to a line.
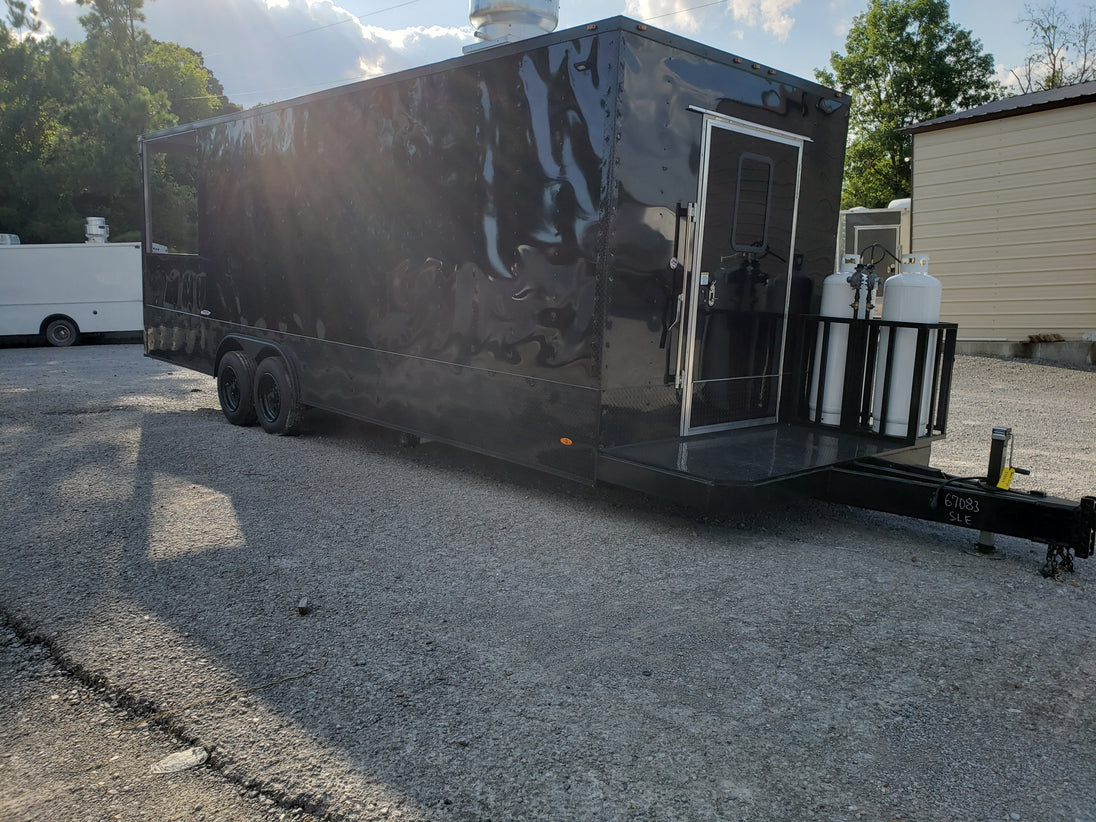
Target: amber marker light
[566,440]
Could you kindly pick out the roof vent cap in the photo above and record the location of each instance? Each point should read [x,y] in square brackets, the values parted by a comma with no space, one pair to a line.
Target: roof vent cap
[96,230]
[507,21]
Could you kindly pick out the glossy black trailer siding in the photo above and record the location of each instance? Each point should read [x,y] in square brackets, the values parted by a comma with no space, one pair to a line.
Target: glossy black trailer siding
[477,251]
[656,170]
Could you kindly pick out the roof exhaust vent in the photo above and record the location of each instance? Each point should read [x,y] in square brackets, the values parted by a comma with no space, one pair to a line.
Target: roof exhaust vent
[96,230]
[507,21]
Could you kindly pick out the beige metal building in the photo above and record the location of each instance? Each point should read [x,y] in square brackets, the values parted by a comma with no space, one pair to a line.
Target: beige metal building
[1004,205]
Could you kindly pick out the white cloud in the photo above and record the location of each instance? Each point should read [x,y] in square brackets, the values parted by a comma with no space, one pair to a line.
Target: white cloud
[770,16]
[58,19]
[676,14]
[268,50]
[388,50]
[409,38]
[1005,75]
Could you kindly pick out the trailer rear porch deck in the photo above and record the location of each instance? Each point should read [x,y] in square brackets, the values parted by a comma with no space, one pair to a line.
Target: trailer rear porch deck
[708,470]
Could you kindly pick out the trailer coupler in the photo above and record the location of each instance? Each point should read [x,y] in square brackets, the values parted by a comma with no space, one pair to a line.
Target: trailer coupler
[1066,527]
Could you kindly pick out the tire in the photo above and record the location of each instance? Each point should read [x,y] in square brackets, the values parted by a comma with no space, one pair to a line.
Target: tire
[62,332]
[235,388]
[277,403]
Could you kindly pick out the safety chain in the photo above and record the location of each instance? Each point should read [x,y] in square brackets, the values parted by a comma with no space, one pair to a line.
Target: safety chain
[1059,559]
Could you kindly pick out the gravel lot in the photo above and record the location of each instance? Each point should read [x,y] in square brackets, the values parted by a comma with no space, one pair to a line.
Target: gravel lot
[485,643]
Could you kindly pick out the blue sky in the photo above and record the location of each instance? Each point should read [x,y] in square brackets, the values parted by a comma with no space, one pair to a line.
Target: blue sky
[268,50]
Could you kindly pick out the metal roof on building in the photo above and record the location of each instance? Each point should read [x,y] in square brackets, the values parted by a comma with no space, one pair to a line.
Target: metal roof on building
[1012,106]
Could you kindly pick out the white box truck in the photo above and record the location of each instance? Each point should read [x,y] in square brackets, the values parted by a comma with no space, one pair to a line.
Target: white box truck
[64,290]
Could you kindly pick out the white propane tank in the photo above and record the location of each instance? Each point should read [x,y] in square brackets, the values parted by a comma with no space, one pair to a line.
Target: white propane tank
[837,300]
[909,296]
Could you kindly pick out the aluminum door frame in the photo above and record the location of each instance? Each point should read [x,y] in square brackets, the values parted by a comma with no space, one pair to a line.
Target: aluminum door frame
[713,120]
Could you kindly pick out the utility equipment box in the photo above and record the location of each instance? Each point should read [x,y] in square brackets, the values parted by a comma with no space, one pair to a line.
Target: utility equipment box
[888,229]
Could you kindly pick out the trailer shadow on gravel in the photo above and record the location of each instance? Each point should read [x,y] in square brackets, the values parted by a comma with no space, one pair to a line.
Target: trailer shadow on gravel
[762,509]
[482,641]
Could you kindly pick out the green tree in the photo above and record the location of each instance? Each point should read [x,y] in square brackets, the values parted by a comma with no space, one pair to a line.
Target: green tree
[21,19]
[116,42]
[194,93]
[905,62]
[37,81]
[70,116]
[113,107]
[101,153]
[192,90]
[1064,48]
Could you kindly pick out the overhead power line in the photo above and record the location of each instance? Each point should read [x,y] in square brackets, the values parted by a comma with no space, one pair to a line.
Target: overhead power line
[682,11]
[353,19]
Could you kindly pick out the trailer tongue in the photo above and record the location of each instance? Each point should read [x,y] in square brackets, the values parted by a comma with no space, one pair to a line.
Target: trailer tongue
[1066,527]
[713,473]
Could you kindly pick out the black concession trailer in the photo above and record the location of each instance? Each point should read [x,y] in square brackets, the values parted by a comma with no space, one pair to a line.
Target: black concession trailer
[597,252]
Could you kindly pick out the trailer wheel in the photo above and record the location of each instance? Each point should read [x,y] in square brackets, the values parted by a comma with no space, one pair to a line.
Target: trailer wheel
[235,381]
[62,332]
[276,401]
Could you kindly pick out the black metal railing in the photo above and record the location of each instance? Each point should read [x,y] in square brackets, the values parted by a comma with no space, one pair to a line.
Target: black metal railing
[883,360]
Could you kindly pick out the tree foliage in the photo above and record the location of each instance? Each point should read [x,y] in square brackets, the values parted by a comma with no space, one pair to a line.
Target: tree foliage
[22,19]
[1064,48]
[37,77]
[116,44]
[70,115]
[905,62]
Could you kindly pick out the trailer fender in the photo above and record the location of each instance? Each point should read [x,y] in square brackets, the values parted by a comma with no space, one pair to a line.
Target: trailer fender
[256,350]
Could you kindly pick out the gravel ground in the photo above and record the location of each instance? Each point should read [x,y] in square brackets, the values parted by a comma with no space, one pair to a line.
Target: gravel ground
[71,751]
[485,643]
